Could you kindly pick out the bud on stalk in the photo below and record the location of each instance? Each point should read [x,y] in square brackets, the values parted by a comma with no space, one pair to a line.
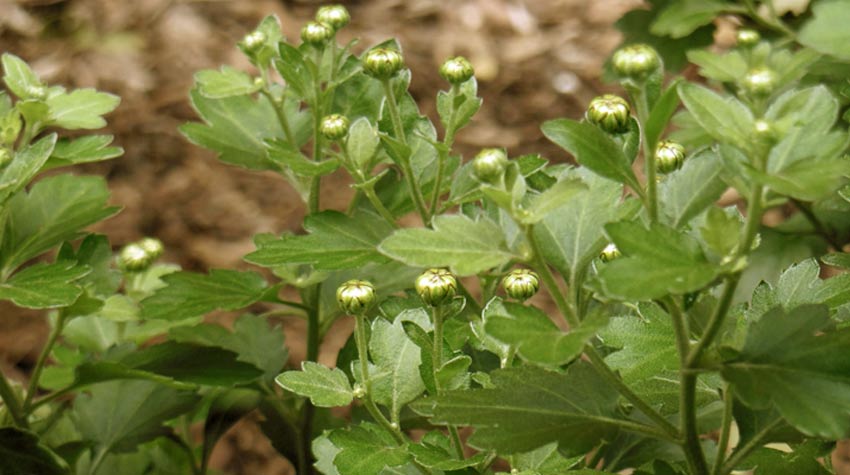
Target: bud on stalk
[436,286]
[334,126]
[611,113]
[489,165]
[521,284]
[383,63]
[335,16]
[457,70]
[355,296]
[669,156]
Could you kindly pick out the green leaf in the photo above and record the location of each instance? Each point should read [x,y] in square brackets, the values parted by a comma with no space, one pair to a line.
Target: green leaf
[826,32]
[803,460]
[456,111]
[23,454]
[80,109]
[592,148]
[689,191]
[837,259]
[44,285]
[88,149]
[365,450]
[789,362]
[534,335]
[189,294]
[661,112]
[235,127]
[636,25]
[251,339]
[681,18]
[721,230]
[55,210]
[285,154]
[362,143]
[728,67]
[557,195]
[657,261]
[545,460]
[118,416]
[725,119]
[466,246]
[396,380]
[26,164]
[192,363]
[324,386]
[18,76]
[435,451]
[572,235]
[336,241]
[225,82]
[529,407]
[226,409]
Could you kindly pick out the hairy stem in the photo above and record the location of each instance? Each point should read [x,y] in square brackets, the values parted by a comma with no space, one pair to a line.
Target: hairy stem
[13,404]
[442,156]
[415,191]
[42,358]
[725,430]
[688,423]
[640,99]
[362,343]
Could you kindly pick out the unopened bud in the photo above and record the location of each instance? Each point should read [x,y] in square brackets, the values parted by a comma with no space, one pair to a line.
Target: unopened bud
[36,92]
[5,157]
[335,16]
[152,246]
[748,38]
[760,82]
[457,70]
[436,286]
[254,40]
[611,113]
[609,253]
[334,126]
[383,63]
[316,34]
[635,61]
[134,258]
[355,296]
[489,165]
[521,284]
[669,156]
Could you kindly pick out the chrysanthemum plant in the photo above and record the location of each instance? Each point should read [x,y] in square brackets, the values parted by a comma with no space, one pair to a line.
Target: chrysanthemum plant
[676,331]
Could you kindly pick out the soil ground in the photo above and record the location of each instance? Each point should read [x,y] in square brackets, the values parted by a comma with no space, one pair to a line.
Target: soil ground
[535,60]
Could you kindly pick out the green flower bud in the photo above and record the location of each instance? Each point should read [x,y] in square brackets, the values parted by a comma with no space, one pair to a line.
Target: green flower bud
[610,252]
[457,70]
[436,286]
[10,127]
[5,157]
[489,165]
[38,93]
[521,284]
[669,156]
[611,113]
[316,34]
[760,82]
[334,126]
[152,246]
[355,296]
[253,41]
[764,130]
[635,61]
[383,63]
[134,258]
[335,16]
[748,38]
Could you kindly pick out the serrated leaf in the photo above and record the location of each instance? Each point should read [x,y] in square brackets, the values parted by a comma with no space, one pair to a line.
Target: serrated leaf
[456,241]
[23,454]
[362,143]
[44,285]
[365,450]
[18,76]
[689,191]
[681,18]
[53,211]
[789,362]
[225,82]
[825,32]
[118,416]
[529,407]
[80,109]
[396,380]
[188,294]
[534,335]
[289,157]
[545,460]
[252,339]
[728,67]
[25,165]
[592,148]
[721,230]
[661,112]
[88,149]
[540,206]
[435,451]
[336,241]
[725,119]
[656,262]
[326,387]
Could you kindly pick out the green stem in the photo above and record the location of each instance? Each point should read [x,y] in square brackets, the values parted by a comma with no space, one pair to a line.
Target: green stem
[744,451]
[369,193]
[281,115]
[448,141]
[42,358]
[725,430]
[415,191]
[439,314]
[362,342]
[13,404]
[97,461]
[688,423]
[567,312]
[642,107]
[820,228]
[680,327]
[314,299]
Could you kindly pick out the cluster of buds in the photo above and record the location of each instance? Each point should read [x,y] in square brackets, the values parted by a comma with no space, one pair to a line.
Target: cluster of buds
[254,41]
[457,70]
[521,284]
[383,63]
[669,156]
[489,165]
[636,62]
[334,127]
[335,16]
[610,113]
[316,34]
[609,253]
[138,256]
